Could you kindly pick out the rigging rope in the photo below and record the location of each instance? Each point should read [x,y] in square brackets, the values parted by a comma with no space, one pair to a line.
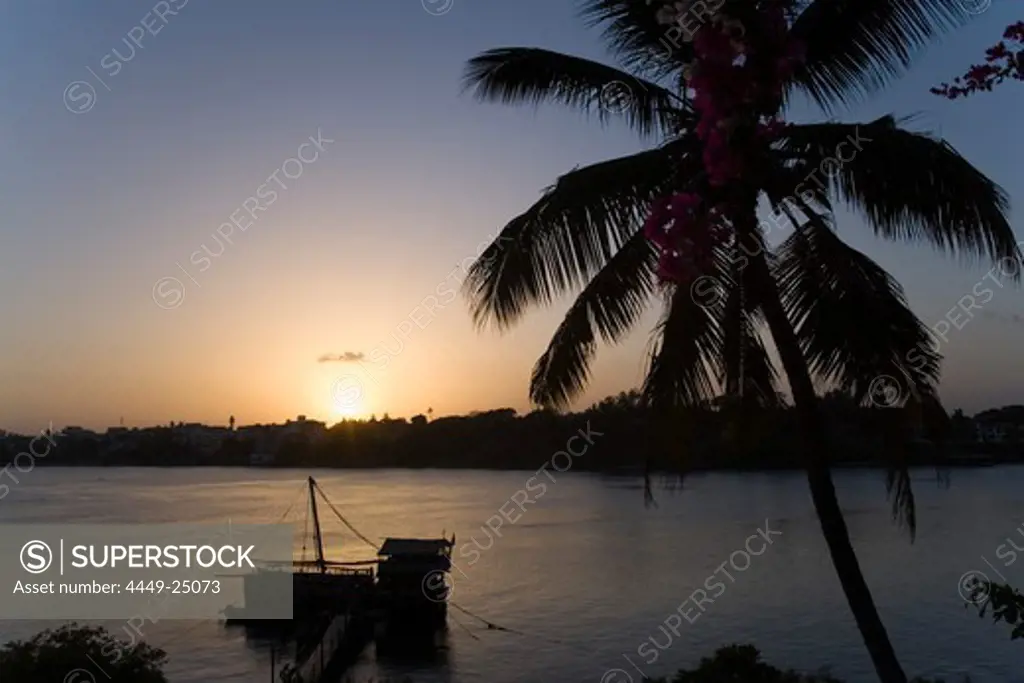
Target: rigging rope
[305,531]
[491,626]
[345,521]
[298,494]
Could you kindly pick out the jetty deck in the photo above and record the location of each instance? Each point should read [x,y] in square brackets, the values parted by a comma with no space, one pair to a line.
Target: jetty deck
[335,647]
[340,607]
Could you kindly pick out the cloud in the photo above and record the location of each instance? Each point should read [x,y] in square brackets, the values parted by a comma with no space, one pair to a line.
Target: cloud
[347,357]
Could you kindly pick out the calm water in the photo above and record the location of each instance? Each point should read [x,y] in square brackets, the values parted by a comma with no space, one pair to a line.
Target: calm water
[588,575]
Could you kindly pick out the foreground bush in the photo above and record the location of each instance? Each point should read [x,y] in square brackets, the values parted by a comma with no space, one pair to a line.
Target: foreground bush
[80,654]
[742,664]
[1007,605]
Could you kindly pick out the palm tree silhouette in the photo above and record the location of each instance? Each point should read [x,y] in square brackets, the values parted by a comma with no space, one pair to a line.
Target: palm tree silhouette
[835,316]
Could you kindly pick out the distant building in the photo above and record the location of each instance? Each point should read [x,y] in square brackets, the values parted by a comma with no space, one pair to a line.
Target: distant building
[267,440]
[1001,425]
[201,438]
[263,440]
[261,458]
[313,430]
[989,432]
[76,432]
[118,439]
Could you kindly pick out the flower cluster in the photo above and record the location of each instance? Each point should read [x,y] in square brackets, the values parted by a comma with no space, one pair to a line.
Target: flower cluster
[1001,62]
[736,79]
[687,233]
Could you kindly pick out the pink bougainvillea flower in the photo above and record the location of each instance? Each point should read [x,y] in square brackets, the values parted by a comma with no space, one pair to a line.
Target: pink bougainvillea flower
[654,226]
[720,234]
[739,68]
[724,168]
[733,28]
[981,72]
[660,238]
[681,223]
[704,127]
[671,269]
[1015,32]
[698,82]
[995,52]
[713,46]
[687,200]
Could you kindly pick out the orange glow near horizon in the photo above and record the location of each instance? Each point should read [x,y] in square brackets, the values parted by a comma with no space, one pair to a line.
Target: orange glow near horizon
[347,411]
[347,397]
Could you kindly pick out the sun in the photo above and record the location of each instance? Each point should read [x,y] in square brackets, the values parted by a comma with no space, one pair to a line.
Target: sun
[347,397]
[347,410]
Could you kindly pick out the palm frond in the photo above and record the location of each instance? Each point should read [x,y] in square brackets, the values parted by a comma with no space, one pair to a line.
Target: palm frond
[858,334]
[697,345]
[901,496]
[608,307]
[631,31]
[851,317]
[687,356]
[566,237]
[524,75]
[909,186]
[855,47]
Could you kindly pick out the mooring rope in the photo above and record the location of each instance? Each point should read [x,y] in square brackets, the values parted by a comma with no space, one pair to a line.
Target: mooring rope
[465,628]
[491,626]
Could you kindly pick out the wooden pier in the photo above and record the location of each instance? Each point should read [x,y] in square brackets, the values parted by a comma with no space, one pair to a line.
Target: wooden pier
[326,657]
[340,607]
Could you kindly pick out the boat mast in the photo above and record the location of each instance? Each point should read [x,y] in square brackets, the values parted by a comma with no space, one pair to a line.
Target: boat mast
[316,527]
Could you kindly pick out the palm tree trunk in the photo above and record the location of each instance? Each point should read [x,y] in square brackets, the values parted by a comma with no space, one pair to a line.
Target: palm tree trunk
[819,476]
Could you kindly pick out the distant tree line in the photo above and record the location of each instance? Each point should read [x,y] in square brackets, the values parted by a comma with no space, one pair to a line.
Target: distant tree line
[627,435]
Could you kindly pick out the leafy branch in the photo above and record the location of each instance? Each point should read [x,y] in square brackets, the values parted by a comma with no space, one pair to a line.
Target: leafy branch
[1007,605]
[1002,61]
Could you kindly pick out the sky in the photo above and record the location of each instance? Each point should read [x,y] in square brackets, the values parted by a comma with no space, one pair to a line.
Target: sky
[119,164]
